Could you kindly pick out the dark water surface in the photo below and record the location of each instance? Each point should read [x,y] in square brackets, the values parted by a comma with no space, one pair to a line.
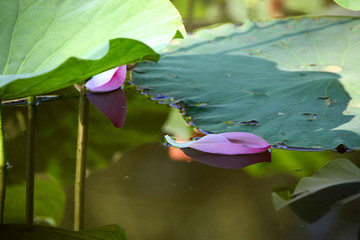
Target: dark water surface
[134,182]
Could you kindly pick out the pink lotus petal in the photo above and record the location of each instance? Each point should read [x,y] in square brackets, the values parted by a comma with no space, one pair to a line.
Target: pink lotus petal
[251,140]
[111,104]
[228,161]
[107,81]
[226,143]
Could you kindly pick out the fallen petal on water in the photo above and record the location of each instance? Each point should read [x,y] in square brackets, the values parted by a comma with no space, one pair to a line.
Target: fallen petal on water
[232,143]
[227,161]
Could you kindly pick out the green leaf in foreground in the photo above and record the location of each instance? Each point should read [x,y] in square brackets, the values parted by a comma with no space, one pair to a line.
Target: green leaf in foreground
[36,232]
[334,184]
[49,201]
[48,45]
[349,4]
[292,81]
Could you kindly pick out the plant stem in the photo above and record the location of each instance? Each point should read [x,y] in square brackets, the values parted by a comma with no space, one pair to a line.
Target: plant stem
[83,122]
[2,168]
[190,13]
[30,159]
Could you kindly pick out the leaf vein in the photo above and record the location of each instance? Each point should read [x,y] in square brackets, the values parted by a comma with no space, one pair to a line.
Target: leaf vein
[37,44]
[67,42]
[12,40]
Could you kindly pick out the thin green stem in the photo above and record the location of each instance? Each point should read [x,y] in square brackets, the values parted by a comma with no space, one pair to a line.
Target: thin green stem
[83,122]
[30,159]
[190,13]
[2,168]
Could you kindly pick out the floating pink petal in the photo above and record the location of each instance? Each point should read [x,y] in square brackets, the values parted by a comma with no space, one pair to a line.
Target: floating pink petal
[111,104]
[231,143]
[107,81]
[227,161]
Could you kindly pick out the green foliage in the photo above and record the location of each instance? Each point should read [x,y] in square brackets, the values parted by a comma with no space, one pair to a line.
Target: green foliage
[350,4]
[334,184]
[295,163]
[48,45]
[49,201]
[276,79]
[32,232]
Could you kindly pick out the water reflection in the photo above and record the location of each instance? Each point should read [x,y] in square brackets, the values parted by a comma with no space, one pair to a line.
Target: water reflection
[336,183]
[153,197]
[111,104]
[227,161]
[178,200]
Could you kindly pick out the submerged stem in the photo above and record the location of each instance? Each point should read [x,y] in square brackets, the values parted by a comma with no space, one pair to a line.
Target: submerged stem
[83,122]
[2,168]
[30,159]
[190,12]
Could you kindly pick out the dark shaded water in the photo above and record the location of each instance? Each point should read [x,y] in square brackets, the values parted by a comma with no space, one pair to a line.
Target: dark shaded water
[135,183]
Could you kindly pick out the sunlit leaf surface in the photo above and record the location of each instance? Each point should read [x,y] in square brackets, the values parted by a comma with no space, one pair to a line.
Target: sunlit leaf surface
[48,45]
[293,81]
[350,4]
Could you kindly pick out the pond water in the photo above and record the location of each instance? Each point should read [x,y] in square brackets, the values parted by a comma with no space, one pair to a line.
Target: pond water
[134,182]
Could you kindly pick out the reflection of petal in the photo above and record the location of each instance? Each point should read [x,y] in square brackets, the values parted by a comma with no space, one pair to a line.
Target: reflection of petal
[111,104]
[107,81]
[177,155]
[227,161]
[231,143]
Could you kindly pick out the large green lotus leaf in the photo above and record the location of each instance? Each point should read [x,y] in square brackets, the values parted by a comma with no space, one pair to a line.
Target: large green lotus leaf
[350,4]
[48,45]
[293,81]
[36,232]
[334,184]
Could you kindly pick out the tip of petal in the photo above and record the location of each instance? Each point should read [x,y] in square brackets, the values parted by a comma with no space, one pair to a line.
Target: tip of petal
[107,81]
